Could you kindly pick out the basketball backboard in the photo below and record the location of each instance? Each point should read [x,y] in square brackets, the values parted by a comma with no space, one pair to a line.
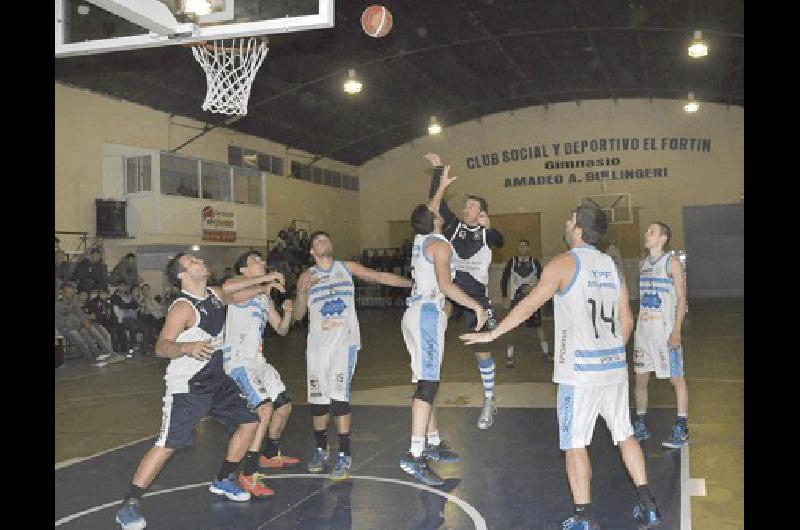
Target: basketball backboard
[617,206]
[85,27]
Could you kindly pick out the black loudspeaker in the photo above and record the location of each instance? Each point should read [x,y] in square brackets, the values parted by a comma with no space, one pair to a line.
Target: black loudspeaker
[111,218]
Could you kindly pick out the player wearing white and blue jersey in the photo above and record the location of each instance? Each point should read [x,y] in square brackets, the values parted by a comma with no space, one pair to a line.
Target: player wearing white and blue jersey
[327,292]
[424,324]
[593,323]
[259,381]
[657,341]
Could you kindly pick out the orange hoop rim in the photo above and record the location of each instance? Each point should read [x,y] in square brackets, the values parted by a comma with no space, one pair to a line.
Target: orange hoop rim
[209,44]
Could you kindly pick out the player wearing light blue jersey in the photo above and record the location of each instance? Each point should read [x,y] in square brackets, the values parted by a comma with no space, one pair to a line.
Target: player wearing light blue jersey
[424,324]
[593,323]
[244,362]
[657,341]
[327,292]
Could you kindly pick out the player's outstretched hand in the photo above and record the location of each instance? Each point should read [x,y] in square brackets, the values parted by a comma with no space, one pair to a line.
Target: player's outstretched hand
[433,158]
[476,338]
[446,178]
[200,350]
[305,284]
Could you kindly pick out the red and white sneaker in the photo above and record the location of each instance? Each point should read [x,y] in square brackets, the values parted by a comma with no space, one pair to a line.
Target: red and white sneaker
[278,461]
[255,485]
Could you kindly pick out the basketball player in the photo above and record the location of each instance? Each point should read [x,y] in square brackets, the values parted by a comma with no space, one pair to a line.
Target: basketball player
[244,362]
[471,238]
[424,324]
[593,323]
[196,383]
[521,274]
[657,341]
[326,291]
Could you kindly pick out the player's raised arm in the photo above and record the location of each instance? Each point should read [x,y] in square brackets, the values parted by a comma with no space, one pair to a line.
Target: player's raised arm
[369,275]
[278,323]
[305,282]
[443,209]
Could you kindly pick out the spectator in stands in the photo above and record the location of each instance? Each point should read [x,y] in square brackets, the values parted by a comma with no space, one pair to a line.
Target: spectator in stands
[406,248]
[125,272]
[150,310]
[365,259]
[58,244]
[72,323]
[127,311]
[103,310]
[91,274]
[226,275]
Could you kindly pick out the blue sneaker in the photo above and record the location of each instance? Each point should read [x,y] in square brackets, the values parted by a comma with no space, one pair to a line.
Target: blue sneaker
[640,431]
[680,437]
[230,489]
[342,468]
[129,516]
[317,462]
[419,469]
[578,522]
[440,453]
[648,516]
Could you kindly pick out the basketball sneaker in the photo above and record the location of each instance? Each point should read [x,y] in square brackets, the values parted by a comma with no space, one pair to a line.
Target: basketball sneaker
[640,431]
[130,517]
[256,485]
[420,470]
[317,463]
[679,437]
[579,522]
[230,489]
[648,516]
[342,468]
[488,411]
[440,453]
[278,461]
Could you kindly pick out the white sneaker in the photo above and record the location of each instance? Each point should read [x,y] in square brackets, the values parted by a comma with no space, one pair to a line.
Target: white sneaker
[99,363]
[487,414]
[103,356]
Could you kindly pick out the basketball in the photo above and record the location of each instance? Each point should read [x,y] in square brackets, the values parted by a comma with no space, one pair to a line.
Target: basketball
[376,21]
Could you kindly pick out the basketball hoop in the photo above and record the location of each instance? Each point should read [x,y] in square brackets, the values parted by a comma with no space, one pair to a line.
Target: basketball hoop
[230,66]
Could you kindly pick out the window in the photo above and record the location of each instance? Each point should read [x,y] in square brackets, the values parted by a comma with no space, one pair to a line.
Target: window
[346,182]
[336,179]
[250,158]
[354,181]
[247,186]
[277,166]
[326,177]
[264,162]
[216,181]
[297,169]
[179,176]
[235,156]
[316,176]
[137,174]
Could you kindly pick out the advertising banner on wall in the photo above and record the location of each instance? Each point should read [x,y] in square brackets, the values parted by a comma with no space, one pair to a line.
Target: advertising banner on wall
[218,224]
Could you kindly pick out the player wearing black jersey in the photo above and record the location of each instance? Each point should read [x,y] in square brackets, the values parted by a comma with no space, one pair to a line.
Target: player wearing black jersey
[521,274]
[471,238]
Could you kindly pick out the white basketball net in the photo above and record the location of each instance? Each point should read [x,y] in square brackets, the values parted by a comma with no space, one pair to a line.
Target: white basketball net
[230,66]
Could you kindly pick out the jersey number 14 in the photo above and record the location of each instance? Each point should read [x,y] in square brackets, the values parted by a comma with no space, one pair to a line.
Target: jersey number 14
[610,320]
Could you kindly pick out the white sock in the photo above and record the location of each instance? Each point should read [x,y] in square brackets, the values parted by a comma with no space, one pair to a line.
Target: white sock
[510,350]
[434,439]
[417,446]
[545,347]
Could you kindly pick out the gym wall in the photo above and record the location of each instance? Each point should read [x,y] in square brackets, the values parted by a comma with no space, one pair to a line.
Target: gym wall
[713,176]
[86,123]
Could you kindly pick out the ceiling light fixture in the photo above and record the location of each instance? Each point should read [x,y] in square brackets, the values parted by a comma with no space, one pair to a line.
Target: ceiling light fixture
[691,106]
[434,127]
[195,248]
[698,48]
[352,85]
[197,7]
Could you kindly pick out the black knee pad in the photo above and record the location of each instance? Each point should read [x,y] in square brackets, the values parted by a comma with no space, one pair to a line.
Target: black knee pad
[320,410]
[281,400]
[426,390]
[340,408]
